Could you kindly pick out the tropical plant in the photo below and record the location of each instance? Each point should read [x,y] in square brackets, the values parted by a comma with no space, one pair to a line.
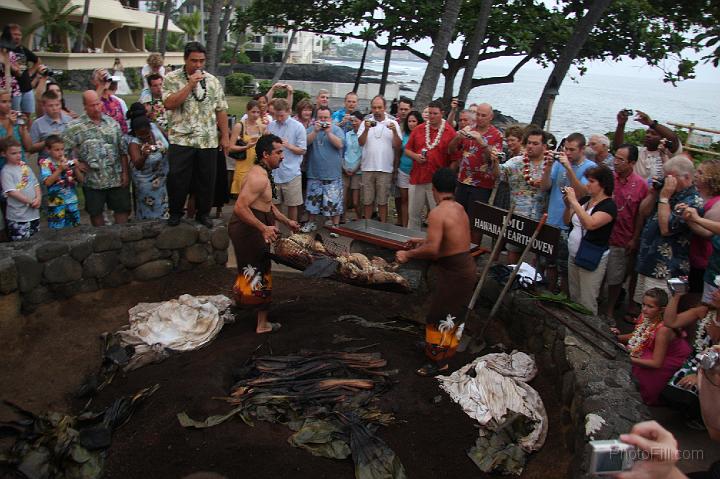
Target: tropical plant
[268,50]
[236,82]
[55,20]
[175,42]
[190,24]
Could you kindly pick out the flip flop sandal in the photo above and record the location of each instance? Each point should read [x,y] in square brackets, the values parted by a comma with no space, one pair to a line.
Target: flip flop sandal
[431,369]
[273,328]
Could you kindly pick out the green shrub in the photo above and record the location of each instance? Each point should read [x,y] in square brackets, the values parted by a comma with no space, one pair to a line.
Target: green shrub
[132,75]
[235,82]
[264,86]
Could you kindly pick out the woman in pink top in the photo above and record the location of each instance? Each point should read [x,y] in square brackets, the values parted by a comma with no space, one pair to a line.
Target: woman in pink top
[656,351]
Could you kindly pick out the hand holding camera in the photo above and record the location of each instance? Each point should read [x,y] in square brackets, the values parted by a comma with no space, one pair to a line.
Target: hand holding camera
[370,123]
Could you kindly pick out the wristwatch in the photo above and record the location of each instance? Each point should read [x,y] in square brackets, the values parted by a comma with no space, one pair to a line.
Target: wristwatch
[664,201]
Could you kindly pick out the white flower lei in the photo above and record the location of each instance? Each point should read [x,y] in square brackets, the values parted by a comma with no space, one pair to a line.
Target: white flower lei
[640,336]
[701,331]
[437,138]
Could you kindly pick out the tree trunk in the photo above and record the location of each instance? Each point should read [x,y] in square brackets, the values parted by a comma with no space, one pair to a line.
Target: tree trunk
[224,25]
[281,69]
[386,66]
[80,40]
[362,67]
[213,31]
[579,35]
[450,74]
[163,33]
[476,41]
[440,48]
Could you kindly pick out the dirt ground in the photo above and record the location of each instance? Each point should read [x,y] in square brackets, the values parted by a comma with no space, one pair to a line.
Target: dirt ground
[58,345]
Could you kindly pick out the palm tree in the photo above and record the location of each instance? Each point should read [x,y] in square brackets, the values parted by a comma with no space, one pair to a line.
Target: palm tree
[79,46]
[190,24]
[55,18]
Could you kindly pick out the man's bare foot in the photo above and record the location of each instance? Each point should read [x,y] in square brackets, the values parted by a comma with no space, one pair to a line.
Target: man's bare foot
[268,328]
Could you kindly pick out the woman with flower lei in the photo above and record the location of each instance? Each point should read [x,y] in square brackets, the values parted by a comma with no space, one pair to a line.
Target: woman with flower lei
[681,391]
[656,351]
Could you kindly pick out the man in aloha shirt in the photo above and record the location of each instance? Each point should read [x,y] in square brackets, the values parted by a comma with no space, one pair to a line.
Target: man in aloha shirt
[196,109]
[475,175]
[152,98]
[665,240]
[529,200]
[97,142]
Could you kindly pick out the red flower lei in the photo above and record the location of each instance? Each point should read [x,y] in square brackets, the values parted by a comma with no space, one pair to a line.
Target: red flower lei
[526,172]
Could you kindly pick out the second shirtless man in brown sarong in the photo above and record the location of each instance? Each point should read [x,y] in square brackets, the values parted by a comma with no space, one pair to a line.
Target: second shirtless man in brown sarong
[252,230]
[448,245]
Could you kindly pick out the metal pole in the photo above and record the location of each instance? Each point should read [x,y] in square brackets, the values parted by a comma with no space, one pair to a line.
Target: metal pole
[202,22]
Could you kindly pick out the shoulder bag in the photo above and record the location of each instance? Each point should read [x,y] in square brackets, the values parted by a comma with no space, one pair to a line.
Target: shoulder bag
[589,254]
[239,155]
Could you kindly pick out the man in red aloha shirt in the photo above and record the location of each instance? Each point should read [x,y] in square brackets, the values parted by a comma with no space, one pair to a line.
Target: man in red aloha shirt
[475,177]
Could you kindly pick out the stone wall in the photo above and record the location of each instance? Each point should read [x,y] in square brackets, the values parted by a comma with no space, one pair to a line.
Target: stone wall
[588,381]
[59,264]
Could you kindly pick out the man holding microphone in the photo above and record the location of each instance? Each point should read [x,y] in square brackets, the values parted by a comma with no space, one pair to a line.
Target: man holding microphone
[196,106]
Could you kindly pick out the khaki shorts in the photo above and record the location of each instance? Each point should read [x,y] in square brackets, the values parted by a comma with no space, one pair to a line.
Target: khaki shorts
[376,187]
[353,182]
[618,261]
[645,283]
[290,193]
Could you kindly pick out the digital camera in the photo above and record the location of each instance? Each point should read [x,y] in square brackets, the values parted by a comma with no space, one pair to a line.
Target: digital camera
[323,124]
[709,359]
[658,183]
[502,157]
[628,111]
[678,285]
[373,123]
[611,457]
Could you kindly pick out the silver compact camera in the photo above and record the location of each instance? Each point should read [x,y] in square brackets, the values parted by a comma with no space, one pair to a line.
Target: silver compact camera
[153,147]
[611,457]
[678,285]
[373,123]
[502,157]
[709,359]
[71,163]
[323,124]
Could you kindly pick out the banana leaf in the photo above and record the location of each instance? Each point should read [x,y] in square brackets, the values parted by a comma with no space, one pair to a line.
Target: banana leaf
[562,300]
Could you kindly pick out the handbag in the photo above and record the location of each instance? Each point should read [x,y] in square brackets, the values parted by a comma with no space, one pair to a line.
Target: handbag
[239,155]
[589,254]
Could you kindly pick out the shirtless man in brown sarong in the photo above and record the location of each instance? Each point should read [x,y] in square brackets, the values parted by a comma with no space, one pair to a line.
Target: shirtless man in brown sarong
[252,230]
[448,245]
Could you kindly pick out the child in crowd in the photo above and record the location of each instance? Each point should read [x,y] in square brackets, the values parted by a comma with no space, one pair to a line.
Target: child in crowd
[656,351]
[60,176]
[22,190]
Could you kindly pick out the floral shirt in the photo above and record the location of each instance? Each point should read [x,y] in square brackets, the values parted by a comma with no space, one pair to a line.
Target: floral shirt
[157,108]
[474,169]
[529,201]
[667,256]
[62,192]
[113,108]
[194,123]
[98,145]
[15,88]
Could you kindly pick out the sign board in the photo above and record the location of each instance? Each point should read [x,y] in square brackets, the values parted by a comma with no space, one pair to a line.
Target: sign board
[489,220]
[699,140]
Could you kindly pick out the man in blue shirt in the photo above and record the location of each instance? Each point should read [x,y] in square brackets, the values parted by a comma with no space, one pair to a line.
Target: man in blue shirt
[342,117]
[568,170]
[324,170]
[288,177]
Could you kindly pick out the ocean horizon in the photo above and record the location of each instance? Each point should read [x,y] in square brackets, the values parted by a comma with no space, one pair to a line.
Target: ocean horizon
[587,104]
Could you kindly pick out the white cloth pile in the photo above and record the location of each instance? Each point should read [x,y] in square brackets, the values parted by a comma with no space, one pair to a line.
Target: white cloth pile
[526,275]
[182,324]
[493,390]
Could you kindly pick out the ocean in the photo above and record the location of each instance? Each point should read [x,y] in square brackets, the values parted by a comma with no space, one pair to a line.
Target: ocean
[587,104]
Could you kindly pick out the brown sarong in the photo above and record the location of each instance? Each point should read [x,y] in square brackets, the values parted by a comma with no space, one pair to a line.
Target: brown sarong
[455,278]
[253,285]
